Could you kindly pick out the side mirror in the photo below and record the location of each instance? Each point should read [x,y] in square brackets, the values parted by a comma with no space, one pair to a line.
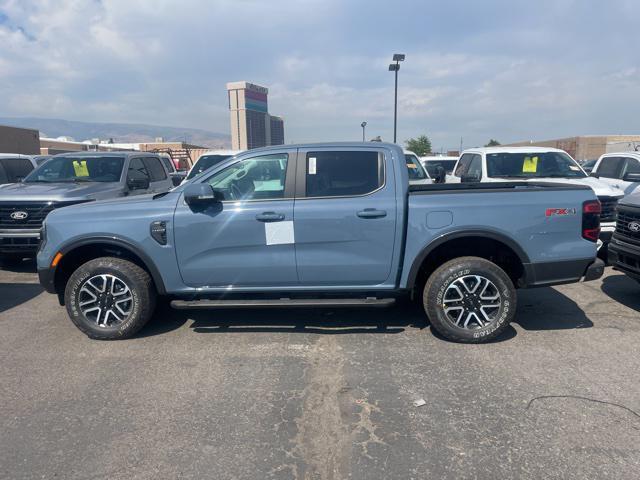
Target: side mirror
[441,175]
[470,178]
[138,183]
[199,194]
[176,180]
[632,177]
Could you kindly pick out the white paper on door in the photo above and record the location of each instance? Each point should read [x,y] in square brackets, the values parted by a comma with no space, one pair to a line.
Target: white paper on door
[279,233]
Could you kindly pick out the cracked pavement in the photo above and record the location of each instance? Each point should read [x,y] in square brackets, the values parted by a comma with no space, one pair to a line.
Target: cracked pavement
[323,394]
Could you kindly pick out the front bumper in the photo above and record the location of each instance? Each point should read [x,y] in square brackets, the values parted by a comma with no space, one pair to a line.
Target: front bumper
[47,277]
[625,257]
[19,241]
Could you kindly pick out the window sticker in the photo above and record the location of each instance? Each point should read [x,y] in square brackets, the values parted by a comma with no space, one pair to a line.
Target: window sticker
[530,165]
[80,168]
[312,165]
[279,233]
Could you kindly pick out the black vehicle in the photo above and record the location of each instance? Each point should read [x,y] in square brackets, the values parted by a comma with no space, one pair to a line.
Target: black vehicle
[624,248]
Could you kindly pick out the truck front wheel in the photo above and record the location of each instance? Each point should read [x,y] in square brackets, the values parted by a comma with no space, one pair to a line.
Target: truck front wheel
[110,298]
[470,300]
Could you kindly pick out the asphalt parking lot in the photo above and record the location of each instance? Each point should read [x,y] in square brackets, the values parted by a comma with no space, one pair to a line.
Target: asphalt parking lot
[323,394]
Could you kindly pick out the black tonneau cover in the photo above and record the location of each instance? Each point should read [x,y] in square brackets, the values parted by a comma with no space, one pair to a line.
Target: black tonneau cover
[495,186]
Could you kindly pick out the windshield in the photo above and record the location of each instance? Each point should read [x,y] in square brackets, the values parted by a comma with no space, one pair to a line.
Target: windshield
[416,171]
[432,166]
[533,165]
[78,169]
[205,162]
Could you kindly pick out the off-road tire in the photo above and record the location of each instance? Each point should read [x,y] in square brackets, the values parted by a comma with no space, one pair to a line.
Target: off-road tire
[136,279]
[441,279]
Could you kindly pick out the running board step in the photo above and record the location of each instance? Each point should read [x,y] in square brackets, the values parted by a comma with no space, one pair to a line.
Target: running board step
[285,302]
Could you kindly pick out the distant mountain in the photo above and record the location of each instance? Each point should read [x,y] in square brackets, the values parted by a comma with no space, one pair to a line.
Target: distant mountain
[120,132]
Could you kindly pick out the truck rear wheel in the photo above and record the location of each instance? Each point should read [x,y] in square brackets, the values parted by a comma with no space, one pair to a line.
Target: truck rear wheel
[469,300]
[110,298]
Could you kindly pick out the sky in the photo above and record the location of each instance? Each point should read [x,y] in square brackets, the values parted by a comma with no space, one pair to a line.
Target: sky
[511,70]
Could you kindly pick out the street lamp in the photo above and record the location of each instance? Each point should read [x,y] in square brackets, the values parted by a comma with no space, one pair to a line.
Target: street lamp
[363,124]
[395,67]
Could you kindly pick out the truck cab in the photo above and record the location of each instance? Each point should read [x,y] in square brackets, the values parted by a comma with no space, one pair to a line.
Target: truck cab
[15,167]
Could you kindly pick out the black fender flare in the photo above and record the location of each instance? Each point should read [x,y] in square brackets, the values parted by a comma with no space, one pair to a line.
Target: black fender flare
[122,243]
[424,253]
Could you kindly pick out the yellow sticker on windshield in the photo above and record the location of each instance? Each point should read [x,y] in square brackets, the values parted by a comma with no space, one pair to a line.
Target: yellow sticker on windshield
[80,168]
[530,165]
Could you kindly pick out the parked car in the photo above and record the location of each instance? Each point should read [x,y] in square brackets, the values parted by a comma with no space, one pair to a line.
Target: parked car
[506,164]
[438,166]
[417,173]
[620,171]
[324,225]
[177,176]
[14,167]
[69,179]
[210,159]
[624,249]
[588,165]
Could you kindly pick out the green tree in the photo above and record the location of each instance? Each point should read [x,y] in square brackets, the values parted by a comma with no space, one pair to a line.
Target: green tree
[493,143]
[421,146]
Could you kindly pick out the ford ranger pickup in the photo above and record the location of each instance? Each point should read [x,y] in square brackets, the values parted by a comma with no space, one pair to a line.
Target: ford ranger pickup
[335,224]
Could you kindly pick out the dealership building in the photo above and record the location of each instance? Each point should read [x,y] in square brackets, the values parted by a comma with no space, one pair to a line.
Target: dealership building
[251,124]
[587,147]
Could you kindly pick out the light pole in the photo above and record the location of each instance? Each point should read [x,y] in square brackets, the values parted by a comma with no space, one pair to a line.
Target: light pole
[395,67]
[363,124]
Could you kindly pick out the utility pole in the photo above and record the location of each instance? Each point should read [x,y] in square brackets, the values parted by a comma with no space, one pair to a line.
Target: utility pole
[395,67]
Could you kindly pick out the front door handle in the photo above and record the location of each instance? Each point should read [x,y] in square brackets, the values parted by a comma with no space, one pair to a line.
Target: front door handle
[371,213]
[269,217]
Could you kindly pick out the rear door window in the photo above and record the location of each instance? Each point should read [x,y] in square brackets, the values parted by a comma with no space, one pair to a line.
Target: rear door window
[343,173]
[16,168]
[168,164]
[610,167]
[155,169]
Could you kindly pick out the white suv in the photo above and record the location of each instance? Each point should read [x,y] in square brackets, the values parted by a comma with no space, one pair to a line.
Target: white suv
[620,171]
[14,167]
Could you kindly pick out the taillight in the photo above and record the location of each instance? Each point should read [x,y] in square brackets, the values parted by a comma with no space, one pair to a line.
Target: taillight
[591,220]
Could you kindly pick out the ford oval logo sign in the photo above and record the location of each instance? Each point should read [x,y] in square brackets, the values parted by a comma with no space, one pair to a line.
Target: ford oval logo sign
[634,227]
[19,215]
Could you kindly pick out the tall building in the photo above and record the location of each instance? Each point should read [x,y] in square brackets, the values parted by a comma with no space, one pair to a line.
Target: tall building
[277,130]
[251,124]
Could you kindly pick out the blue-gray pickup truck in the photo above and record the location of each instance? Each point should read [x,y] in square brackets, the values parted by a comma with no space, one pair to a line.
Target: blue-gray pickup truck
[334,224]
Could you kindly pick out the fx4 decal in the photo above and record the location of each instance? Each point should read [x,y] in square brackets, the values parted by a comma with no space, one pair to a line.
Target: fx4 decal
[552,212]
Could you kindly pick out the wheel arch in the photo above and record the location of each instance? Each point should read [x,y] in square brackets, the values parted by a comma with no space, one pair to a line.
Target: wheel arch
[79,251]
[462,241]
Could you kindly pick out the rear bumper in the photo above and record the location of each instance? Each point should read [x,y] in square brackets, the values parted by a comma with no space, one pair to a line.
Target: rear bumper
[625,258]
[557,273]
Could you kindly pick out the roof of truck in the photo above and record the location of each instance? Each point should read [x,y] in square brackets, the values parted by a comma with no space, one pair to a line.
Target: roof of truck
[324,145]
[107,154]
[513,150]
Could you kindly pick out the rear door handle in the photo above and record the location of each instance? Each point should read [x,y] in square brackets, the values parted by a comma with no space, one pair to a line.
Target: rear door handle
[269,217]
[371,213]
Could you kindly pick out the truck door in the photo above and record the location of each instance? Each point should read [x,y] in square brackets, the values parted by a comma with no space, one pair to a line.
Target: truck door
[248,239]
[345,216]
